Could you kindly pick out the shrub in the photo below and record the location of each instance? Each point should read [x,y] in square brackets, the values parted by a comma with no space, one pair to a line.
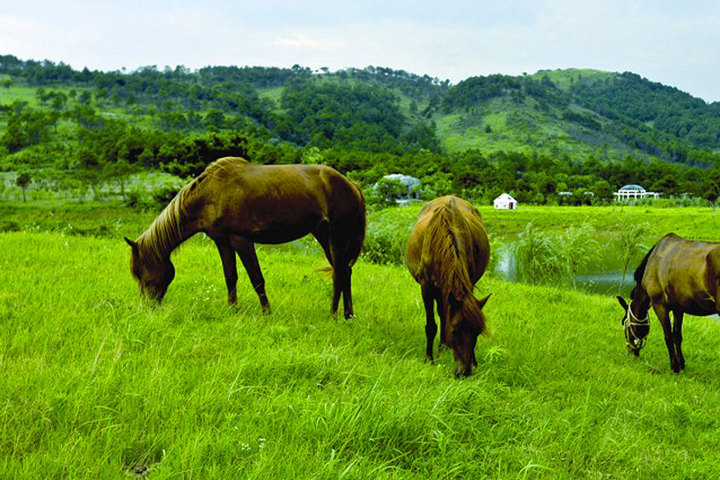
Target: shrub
[387,233]
[164,194]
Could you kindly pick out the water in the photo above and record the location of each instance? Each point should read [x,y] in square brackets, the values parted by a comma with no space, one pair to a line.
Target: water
[602,281]
[606,283]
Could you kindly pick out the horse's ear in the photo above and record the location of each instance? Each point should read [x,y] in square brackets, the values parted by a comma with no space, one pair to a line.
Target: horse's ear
[483,301]
[132,244]
[622,302]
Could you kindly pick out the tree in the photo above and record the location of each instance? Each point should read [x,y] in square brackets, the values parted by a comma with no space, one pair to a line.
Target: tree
[23,180]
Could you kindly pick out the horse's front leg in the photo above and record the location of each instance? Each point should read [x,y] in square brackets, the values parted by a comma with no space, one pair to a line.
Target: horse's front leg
[677,336]
[246,251]
[430,326]
[664,317]
[227,255]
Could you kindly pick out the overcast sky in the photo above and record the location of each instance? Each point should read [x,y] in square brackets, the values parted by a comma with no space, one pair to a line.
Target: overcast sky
[674,42]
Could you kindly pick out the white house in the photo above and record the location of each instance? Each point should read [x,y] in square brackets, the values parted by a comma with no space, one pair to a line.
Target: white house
[634,192]
[505,202]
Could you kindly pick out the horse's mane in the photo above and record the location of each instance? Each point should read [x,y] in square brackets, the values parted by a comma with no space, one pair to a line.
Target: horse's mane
[166,233]
[640,270]
[442,247]
[222,167]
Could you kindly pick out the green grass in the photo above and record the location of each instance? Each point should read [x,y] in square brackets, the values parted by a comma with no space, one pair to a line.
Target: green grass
[274,93]
[564,78]
[20,93]
[94,382]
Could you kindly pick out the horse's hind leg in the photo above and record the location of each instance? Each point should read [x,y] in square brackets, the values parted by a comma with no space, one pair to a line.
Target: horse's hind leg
[677,336]
[430,327]
[342,273]
[340,286]
[347,293]
[246,250]
[441,315]
[227,255]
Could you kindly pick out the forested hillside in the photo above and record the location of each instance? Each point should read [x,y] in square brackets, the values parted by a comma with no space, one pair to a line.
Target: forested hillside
[532,135]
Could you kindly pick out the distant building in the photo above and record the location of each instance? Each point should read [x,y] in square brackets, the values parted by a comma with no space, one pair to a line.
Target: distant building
[634,192]
[410,188]
[505,202]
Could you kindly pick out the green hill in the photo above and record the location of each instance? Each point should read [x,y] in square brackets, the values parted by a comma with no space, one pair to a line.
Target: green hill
[578,127]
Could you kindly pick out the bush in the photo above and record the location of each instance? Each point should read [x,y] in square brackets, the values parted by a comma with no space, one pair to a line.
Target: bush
[387,234]
[164,194]
[132,199]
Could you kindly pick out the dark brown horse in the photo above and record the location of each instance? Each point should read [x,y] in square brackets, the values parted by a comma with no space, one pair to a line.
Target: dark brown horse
[678,276]
[447,253]
[238,204]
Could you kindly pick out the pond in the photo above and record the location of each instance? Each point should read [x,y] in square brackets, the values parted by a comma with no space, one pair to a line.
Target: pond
[595,279]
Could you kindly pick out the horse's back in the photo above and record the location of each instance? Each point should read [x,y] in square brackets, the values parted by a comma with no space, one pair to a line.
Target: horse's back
[273,203]
[684,274]
[464,224]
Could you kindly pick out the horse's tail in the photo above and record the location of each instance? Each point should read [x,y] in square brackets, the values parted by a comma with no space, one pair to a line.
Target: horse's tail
[356,241]
[356,238]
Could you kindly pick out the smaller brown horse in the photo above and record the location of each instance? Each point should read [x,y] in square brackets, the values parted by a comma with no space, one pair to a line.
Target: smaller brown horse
[238,204]
[447,253]
[678,276]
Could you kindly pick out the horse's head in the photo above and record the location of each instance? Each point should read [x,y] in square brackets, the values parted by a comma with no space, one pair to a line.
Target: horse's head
[466,321]
[152,275]
[636,326]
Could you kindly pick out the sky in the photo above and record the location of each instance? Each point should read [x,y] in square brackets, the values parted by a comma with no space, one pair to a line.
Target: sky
[676,43]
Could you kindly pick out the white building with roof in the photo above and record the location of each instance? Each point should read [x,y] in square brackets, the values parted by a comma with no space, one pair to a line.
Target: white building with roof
[634,192]
[505,202]
[410,187]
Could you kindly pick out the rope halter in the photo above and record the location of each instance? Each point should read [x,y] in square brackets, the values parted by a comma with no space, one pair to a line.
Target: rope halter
[630,321]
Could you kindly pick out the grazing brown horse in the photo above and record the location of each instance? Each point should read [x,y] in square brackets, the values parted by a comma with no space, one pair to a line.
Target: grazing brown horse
[678,276]
[447,253]
[238,204]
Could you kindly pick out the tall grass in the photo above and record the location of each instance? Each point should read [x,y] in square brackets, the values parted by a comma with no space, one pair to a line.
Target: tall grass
[94,383]
[632,243]
[544,257]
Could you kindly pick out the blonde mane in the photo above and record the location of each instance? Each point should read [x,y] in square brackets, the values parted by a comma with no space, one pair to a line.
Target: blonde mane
[165,233]
[442,248]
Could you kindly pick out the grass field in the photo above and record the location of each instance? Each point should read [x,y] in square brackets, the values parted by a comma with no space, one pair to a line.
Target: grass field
[94,383]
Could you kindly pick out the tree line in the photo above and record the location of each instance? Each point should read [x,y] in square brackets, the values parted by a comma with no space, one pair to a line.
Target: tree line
[102,126]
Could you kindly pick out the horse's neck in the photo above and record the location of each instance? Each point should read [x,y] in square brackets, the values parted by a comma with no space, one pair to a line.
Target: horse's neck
[171,228]
[640,302]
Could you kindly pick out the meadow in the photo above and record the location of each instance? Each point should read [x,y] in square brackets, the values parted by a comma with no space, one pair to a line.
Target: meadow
[96,383]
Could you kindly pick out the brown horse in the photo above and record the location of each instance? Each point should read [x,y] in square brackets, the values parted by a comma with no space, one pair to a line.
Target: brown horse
[238,204]
[678,276]
[447,253]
